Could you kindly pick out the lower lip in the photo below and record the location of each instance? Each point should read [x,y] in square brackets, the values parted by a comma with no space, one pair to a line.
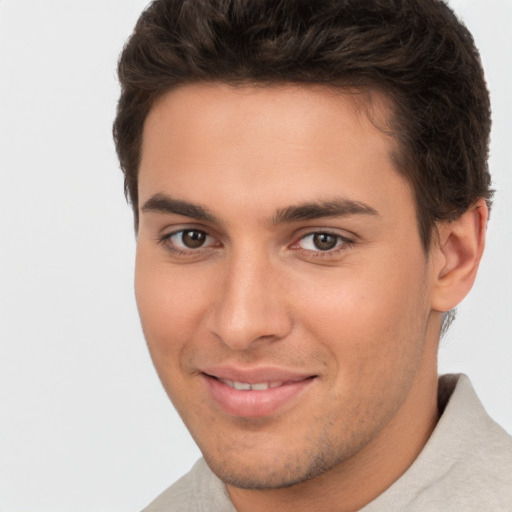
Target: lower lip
[254,404]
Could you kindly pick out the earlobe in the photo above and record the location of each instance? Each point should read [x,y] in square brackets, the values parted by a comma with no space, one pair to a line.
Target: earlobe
[457,256]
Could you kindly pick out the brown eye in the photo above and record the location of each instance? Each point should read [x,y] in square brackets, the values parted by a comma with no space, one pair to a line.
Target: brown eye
[325,241]
[193,239]
[190,242]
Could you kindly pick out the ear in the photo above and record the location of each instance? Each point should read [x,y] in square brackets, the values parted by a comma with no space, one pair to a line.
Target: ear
[456,256]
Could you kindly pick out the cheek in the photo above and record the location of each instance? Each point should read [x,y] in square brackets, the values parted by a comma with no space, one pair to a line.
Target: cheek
[372,321]
[170,312]
[170,307]
[373,335]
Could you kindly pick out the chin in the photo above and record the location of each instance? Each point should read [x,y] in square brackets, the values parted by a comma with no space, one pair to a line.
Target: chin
[271,474]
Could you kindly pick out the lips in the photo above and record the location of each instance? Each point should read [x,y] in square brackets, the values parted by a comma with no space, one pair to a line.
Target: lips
[256,392]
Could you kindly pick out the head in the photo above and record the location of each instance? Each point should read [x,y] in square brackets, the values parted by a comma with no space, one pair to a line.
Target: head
[415,52]
[306,179]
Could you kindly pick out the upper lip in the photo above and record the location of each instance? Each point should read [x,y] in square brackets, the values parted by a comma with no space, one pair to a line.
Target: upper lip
[254,375]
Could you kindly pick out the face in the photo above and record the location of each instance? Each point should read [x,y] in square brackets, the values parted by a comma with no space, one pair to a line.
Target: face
[281,282]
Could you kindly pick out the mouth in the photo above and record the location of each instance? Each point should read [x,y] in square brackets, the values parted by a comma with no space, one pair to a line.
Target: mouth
[256,393]
[246,386]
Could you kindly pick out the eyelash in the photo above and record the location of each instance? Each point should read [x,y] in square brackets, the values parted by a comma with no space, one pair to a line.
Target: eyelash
[342,243]
[166,240]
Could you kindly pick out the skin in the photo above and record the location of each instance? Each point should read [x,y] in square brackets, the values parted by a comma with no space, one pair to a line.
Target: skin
[252,289]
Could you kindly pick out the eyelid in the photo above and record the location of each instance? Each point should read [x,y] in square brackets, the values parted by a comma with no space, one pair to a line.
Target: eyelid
[344,242]
[165,238]
[171,229]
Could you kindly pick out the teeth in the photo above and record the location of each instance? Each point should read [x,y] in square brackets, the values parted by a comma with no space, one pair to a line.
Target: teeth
[260,387]
[245,386]
[242,386]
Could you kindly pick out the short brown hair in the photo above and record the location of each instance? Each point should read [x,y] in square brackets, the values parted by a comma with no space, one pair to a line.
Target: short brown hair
[416,51]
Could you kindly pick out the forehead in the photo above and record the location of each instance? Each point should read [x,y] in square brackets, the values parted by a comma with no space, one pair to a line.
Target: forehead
[221,145]
[316,108]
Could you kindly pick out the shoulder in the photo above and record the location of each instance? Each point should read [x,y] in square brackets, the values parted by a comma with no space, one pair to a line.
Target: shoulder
[477,452]
[465,465]
[197,491]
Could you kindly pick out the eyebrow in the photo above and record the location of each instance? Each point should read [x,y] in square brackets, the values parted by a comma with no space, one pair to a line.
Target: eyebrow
[161,203]
[338,207]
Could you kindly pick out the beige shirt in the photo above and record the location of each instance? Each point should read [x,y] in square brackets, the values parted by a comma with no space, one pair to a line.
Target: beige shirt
[466,466]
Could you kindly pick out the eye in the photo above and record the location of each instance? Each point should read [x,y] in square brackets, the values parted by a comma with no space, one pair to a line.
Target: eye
[189,239]
[321,241]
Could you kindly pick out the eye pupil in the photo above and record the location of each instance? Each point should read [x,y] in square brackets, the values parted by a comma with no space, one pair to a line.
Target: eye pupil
[193,239]
[324,241]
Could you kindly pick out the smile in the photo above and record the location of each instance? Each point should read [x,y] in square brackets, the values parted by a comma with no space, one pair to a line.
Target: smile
[255,394]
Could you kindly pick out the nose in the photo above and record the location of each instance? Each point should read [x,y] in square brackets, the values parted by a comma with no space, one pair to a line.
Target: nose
[250,306]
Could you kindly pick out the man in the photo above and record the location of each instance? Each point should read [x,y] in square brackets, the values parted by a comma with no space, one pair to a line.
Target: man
[311,193]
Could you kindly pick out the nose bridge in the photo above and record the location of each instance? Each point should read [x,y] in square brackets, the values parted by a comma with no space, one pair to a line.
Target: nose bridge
[249,305]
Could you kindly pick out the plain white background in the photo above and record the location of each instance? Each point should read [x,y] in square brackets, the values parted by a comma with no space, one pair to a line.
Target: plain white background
[84,423]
